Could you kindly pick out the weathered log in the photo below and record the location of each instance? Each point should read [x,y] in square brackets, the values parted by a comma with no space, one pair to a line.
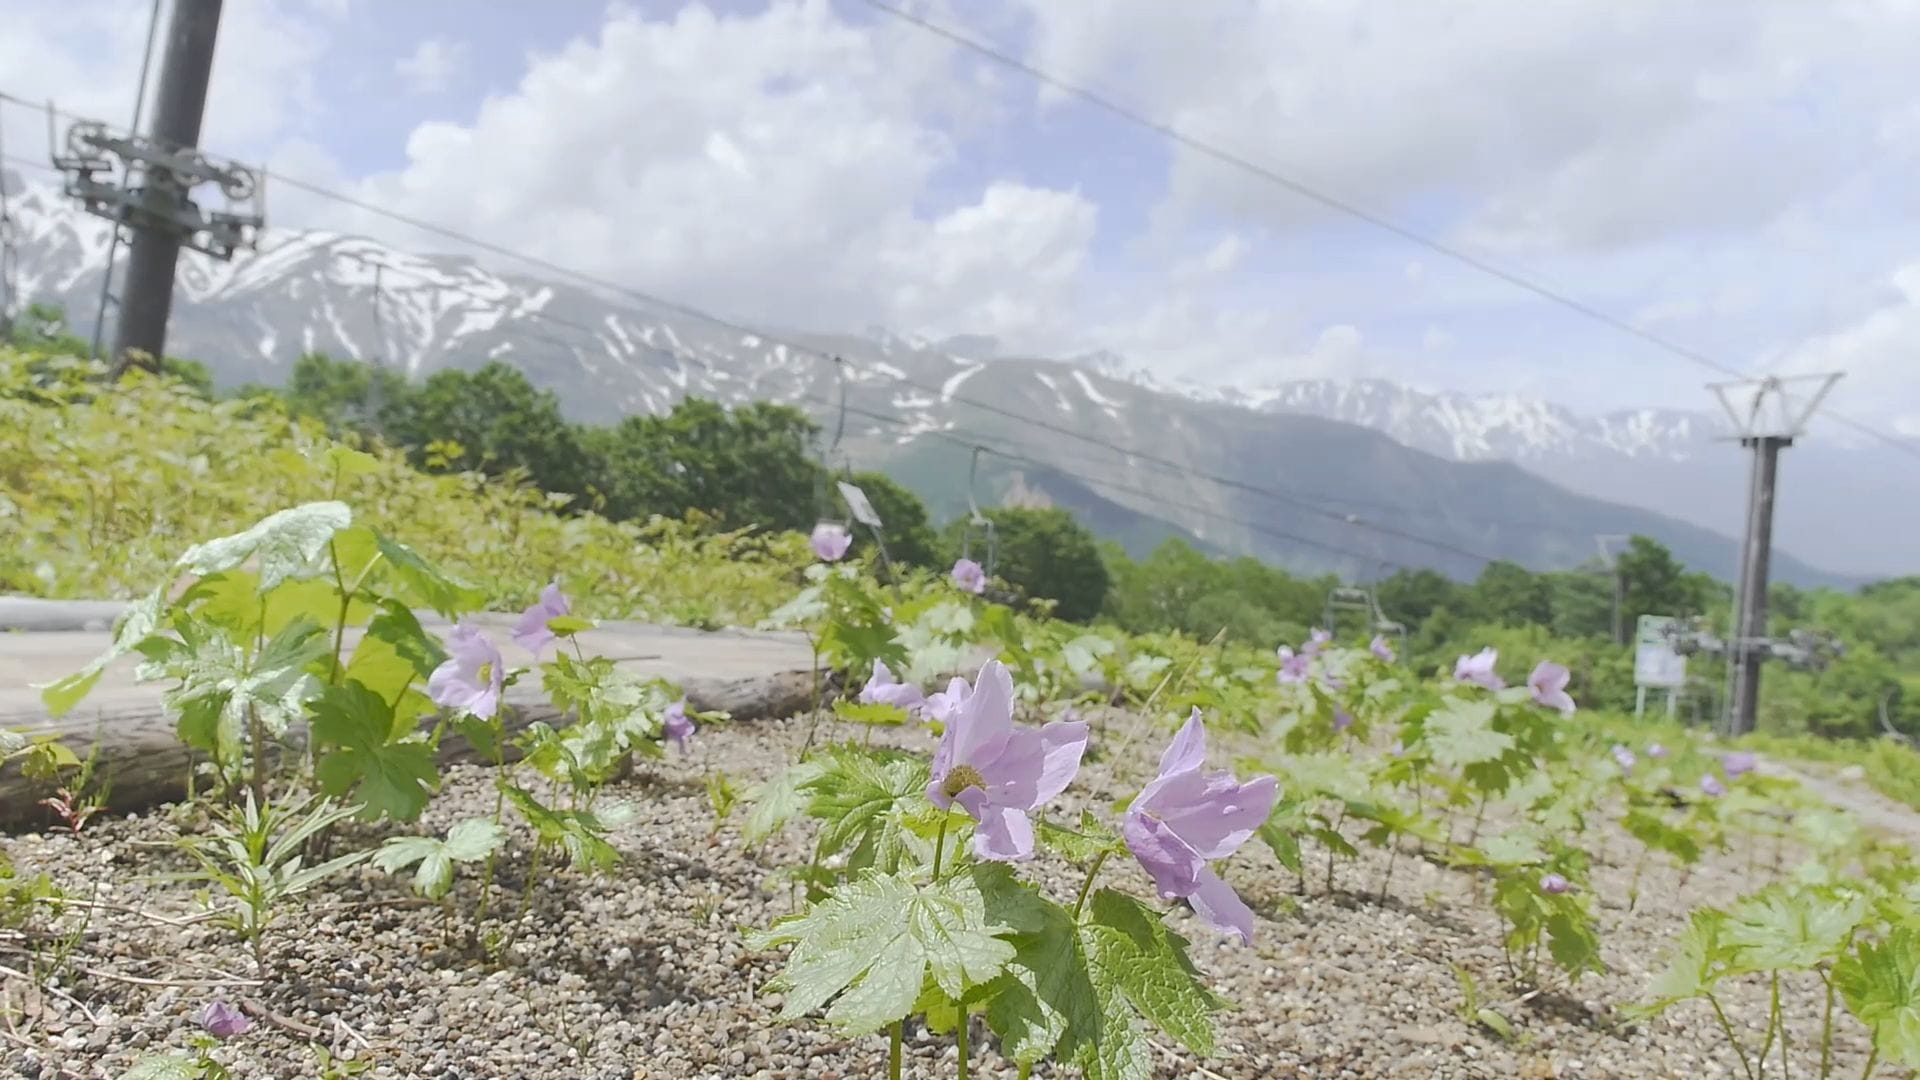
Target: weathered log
[140,762]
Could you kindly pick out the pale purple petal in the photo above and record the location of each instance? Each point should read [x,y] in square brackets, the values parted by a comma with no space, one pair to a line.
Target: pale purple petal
[1381,649]
[984,720]
[1656,751]
[1549,685]
[1342,719]
[1624,757]
[1062,743]
[530,631]
[1554,884]
[1212,813]
[1220,907]
[830,541]
[1478,669]
[472,676]
[1174,866]
[1005,833]
[1739,763]
[970,576]
[678,726]
[884,689]
[223,1021]
[1711,786]
[1188,750]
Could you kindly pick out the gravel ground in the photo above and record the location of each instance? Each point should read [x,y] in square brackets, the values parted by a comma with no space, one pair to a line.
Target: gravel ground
[641,974]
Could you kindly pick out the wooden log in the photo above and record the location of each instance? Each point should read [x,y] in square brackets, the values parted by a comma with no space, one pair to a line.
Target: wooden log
[141,762]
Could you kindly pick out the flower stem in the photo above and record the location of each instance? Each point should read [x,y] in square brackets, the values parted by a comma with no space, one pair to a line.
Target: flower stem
[1086,886]
[1826,1029]
[893,1050]
[940,843]
[1873,1058]
[1732,1039]
[960,1042]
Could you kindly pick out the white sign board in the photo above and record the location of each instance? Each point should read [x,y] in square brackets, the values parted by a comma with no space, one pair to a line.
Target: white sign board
[857,502]
[1655,664]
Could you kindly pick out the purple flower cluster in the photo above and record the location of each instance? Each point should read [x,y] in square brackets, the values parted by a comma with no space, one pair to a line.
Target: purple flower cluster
[970,576]
[830,541]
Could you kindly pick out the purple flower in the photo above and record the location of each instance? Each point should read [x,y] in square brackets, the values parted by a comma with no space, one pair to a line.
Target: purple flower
[1381,649]
[531,632]
[1624,757]
[882,688]
[1739,763]
[970,576]
[1549,685]
[223,1021]
[830,541]
[1554,885]
[997,773]
[1316,640]
[1656,751]
[1711,786]
[678,726]
[1478,670]
[944,705]
[1293,666]
[1187,818]
[473,675]
[1342,719]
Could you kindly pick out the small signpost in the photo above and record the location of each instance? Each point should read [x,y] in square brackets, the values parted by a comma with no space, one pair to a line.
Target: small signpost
[1656,664]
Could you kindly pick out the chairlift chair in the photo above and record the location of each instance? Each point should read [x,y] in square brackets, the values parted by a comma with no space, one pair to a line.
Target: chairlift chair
[978,531]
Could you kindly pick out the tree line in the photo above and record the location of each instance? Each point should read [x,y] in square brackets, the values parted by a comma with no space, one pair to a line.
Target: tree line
[753,466]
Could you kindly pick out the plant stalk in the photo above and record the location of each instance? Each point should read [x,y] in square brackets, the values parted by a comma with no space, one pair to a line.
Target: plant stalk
[1086,887]
[893,1050]
[1732,1039]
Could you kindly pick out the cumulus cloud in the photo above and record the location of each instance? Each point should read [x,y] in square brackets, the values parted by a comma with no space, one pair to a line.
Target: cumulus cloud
[1880,354]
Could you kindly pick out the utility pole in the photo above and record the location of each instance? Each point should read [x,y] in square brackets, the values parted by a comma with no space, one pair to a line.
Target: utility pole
[1766,419]
[148,297]
[1612,562]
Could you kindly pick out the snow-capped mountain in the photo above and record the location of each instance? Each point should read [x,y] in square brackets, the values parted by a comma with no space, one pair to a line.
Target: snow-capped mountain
[1327,476]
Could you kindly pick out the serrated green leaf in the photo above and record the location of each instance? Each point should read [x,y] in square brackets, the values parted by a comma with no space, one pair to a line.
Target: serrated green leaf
[1148,961]
[871,944]
[870,713]
[1881,986]
[864,800]
[1695,963]
[1083,845]
[776,801]
[136,624]
[354,726]
[1778,930]
[1462,734]
[468,841]
[426,584]
[579,833]
[286,544]
[164,1067]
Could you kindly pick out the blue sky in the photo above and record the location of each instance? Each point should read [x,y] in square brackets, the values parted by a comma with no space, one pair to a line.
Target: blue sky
[1736,178]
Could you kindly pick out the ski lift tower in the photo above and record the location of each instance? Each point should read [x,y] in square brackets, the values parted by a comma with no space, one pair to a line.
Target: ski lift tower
[1768,414]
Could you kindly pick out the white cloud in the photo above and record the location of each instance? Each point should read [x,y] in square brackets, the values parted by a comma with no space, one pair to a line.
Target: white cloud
[1880,354]
[775,166]
[432,66]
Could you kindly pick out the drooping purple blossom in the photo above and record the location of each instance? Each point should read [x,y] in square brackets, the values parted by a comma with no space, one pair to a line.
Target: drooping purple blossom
[1293,666]
[1478,669]
[1624,758]
[1711,787]
[883,689]
[1656,751]
[944,705]
[223,1021]
[1381,649]
[473,675]
[1342,720]
[1554,884]
[1317,640]
[830,541]
[997,773]
[1188,817]
[970,576]
[677,725]
[531,632]
[1549,685]
[1739,763]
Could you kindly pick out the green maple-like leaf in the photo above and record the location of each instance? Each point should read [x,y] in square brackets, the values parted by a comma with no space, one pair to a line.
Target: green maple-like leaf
[579,833]
[776,801]
[1090,840]
[1778,930]
[1148,961]
[1462,734]
[395,656]
[286,544]
[865,799]
[1695,963]
[1881,985]
[872,943]
[391,778]
[164,1067]
[426,584]
[468,841]
[136,624]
